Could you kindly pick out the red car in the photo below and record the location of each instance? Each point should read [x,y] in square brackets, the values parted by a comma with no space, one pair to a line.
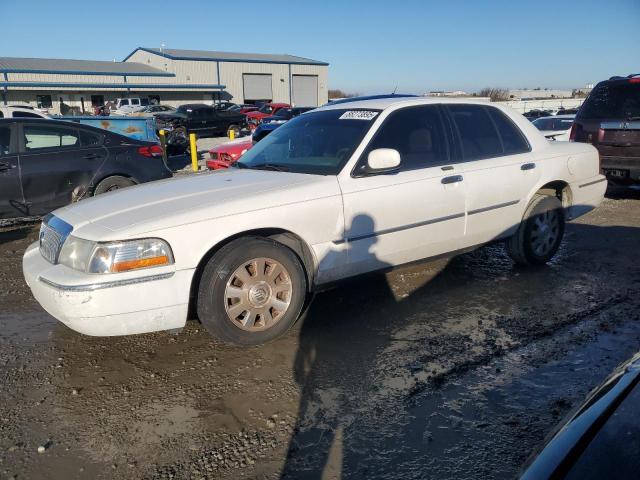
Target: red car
[254,118]
[244,108]
[222,156]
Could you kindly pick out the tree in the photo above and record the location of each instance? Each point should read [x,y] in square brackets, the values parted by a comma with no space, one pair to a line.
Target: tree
[337,93]
[495,94]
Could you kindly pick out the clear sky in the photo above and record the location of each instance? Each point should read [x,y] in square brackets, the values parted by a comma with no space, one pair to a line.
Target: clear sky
[372,46]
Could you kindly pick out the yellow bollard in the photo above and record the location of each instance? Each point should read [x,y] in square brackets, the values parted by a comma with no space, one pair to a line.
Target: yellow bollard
[194,151]
[232,134]
[163,143]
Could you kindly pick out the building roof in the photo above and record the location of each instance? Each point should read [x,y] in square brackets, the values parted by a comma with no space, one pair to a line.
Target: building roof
[78,67]
[205,55]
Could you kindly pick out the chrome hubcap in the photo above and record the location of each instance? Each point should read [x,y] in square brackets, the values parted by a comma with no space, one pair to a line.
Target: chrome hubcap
[545,232]
[258,294]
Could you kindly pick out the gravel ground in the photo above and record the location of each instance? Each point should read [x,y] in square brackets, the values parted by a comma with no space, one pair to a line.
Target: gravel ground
[450,369]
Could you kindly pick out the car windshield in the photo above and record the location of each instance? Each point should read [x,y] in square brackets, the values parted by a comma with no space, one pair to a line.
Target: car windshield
[265,109]
[553,124]
[616,100]
[316,143]
[283,112]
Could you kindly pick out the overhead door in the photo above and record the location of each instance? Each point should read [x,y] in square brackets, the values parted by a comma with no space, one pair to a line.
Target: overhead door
[305,90]
[257,86]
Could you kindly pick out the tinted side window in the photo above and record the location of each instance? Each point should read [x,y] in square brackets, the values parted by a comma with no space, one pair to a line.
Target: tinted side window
[417,133]
[124,102]
[478,136]
[37,137]
[20,114]
[513,141]
[135,101]
[89,139]
[5,140]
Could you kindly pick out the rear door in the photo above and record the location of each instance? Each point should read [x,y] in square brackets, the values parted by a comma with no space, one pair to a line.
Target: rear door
[58,163]
[11,199]
[498,167]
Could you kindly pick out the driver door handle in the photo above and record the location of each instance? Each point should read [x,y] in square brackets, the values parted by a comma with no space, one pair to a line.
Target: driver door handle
[4,166]
[528,166]
[452,179]
[91,156]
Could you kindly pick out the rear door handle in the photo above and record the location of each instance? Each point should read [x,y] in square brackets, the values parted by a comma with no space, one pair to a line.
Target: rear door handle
[446,167]
[528,166]
[91,156]
[4,166]
[452,179]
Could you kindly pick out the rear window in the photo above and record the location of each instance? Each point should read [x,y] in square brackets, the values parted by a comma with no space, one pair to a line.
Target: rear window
[614,100]
[553,124]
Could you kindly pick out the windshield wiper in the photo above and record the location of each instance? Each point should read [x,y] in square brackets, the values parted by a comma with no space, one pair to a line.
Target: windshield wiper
[268,166]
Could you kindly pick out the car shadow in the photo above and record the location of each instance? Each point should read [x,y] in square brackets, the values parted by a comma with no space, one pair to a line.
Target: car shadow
[352,381]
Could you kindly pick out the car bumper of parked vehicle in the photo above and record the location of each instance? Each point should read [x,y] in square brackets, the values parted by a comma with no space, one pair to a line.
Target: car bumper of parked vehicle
[107,305]
[621,168]
[586,195]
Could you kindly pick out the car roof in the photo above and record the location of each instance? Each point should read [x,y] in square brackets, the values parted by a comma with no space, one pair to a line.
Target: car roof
[384,103]
[569,116]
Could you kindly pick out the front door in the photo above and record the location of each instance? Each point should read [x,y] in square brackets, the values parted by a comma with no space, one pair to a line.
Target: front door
[56,165]
[414,213]
[11,199]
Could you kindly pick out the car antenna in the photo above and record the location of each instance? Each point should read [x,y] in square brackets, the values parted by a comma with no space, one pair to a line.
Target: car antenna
[394,90]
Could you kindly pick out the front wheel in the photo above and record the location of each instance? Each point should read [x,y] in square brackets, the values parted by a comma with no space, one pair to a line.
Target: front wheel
[251,291]
[540,233]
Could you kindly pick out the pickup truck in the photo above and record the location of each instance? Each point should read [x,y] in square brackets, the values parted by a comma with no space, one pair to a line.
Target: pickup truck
[338,192]
[201,119]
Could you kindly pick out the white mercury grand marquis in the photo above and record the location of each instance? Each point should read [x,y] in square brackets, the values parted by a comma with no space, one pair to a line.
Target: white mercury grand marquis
[339,191]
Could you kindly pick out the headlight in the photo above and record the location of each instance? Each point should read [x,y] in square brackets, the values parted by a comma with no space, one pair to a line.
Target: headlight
[114,257]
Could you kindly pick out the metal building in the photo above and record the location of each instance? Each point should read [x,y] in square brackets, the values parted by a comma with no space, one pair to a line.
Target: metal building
[166,76]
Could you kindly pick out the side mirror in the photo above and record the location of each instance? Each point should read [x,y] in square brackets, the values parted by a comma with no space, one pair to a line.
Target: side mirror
[382,160]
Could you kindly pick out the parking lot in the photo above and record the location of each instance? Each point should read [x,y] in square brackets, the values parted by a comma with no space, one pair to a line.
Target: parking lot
[457,368]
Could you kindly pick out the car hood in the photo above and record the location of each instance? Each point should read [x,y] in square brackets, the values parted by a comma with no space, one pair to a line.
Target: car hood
[256,114]
[234,145]
[190,199]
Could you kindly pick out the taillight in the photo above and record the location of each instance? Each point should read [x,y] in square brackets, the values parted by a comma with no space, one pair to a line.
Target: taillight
[634,80]
[572,134]
[150,151]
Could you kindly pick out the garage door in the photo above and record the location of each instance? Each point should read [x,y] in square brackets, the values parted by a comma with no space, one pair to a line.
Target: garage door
[257,86]
[305,90]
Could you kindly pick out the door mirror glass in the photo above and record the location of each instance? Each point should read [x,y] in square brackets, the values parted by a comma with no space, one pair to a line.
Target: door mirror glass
[383,160]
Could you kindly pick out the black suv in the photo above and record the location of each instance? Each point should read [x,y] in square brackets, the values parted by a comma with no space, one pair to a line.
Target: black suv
[202,119]
[610,120]
[46,164]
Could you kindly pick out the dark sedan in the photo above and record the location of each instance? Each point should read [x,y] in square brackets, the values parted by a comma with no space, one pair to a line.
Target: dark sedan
[600,440]
[46,164]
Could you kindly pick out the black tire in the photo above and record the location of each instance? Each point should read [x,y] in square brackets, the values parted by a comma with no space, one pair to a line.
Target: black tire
[115,182]
[533,244]
[212,301]
[235,128]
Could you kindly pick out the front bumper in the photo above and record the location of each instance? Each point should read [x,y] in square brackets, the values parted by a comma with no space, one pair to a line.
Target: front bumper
[107,305]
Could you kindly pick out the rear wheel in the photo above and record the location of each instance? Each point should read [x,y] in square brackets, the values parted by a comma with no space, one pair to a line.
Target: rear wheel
[540,233]
[115,182]
[251,291]
[235,129]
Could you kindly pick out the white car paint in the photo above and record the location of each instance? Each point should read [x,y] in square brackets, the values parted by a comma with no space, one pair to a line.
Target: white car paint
[558,135]
[350,225]
[15,111]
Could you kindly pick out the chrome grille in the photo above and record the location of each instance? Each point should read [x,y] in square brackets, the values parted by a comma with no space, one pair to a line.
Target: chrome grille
[53,233]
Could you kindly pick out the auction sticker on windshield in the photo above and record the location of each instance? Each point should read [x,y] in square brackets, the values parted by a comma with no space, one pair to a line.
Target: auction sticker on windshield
[359,115]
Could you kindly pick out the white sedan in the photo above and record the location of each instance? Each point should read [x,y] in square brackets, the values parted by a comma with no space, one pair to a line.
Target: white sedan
[337,192]
[557,127]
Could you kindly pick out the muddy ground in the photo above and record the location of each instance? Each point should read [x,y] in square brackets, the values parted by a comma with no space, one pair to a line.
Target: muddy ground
[451,369]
